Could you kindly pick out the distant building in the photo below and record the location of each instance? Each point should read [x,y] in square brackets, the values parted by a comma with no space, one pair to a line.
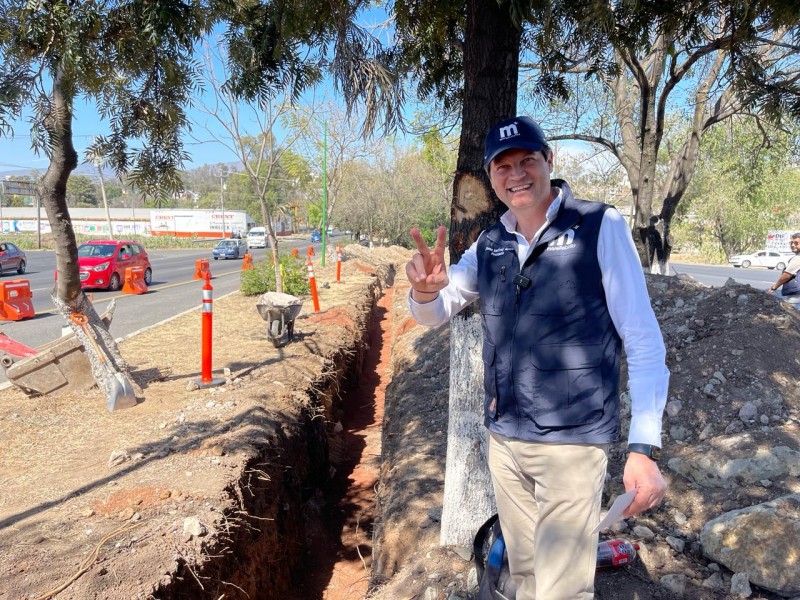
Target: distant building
[133,221]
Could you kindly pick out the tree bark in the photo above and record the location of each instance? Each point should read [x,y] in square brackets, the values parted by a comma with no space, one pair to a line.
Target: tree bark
[67,294]
[63,160]
[491,68]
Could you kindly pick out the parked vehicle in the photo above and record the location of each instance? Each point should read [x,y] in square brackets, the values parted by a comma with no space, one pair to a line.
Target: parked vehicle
[257,238]
[102,263]
[12,259]
[228,249]
[770,259]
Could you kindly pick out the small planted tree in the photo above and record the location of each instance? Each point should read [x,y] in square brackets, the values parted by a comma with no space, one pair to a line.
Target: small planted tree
[134,59]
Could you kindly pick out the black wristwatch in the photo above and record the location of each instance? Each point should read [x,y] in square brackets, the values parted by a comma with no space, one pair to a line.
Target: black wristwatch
[651,452]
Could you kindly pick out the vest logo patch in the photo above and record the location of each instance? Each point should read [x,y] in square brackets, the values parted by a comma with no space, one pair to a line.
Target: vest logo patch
[565,241]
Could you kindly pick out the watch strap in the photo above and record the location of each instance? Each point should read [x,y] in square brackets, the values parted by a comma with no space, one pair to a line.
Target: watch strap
[651,452]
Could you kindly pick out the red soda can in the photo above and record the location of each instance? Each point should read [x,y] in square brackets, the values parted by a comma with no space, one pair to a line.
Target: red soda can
[615,553]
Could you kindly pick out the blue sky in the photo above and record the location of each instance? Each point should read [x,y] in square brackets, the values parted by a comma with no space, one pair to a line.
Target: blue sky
[16,153]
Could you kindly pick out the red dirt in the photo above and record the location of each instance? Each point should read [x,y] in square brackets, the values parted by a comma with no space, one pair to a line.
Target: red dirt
[341,536]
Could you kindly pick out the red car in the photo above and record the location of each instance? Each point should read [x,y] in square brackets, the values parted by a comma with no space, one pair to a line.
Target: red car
[102,263]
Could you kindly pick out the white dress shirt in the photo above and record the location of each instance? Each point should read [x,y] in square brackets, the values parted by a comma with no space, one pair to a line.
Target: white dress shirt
[628,305]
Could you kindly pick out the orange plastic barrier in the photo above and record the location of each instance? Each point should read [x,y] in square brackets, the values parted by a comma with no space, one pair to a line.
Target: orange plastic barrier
[16,301]
[201,268]
[295,252]
[134,281]
[247,262]
[338,264]
[310,251]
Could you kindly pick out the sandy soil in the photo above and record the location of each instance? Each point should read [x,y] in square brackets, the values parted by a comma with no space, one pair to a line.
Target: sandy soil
[132,503]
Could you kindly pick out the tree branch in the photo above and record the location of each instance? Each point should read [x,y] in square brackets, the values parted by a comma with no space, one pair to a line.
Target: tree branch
[593,139]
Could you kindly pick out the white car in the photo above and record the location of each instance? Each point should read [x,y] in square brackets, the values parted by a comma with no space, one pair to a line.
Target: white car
[770,259]
[257,237]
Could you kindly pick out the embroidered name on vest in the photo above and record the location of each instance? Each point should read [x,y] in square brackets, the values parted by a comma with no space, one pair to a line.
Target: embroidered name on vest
[498,251]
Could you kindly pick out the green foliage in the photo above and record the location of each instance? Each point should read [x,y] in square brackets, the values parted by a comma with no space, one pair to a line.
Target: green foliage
[133,58]
[745,185]
[315,215]
[261,278]
[81,191]
[288,45]
[399,189]
[28,241]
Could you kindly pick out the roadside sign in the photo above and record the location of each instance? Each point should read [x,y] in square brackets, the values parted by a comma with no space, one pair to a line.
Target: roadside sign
[11,187]
[778,240]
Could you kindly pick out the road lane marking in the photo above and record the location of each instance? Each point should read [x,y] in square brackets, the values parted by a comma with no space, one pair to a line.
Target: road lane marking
[161,286]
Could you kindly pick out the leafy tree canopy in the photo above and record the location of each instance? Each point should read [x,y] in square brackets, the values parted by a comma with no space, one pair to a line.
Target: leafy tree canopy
[133,58]
[81,191]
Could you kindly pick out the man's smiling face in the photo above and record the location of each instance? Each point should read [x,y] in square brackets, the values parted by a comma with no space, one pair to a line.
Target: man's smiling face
[521,179]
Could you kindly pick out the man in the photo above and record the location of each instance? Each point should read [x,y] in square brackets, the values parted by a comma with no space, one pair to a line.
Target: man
[788,279]
[561,289]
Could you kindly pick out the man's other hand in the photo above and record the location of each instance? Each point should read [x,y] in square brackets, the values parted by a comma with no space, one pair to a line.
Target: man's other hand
[642,473]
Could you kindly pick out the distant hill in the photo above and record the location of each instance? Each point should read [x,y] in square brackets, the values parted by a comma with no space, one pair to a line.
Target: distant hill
[89,171]
[83,169]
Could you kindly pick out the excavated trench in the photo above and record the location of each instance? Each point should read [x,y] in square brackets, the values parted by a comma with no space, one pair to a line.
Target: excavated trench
[308,494]
[339,528]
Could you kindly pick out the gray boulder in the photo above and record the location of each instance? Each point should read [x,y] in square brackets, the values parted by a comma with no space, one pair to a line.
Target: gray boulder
[760,540]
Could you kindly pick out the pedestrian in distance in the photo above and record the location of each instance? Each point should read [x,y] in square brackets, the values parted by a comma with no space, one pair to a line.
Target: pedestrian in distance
[787,280]
[561,292]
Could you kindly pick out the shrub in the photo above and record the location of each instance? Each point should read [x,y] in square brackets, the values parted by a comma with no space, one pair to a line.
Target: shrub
[261,278]
[28,241]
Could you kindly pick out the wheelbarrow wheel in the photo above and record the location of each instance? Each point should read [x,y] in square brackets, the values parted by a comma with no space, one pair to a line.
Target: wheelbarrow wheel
[275,330]
[275,333]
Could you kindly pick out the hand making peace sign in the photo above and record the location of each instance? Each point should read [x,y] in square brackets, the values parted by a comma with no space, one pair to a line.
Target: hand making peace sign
[426,270]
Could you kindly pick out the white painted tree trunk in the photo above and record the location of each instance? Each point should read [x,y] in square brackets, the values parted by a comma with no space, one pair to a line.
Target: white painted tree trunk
[468,494]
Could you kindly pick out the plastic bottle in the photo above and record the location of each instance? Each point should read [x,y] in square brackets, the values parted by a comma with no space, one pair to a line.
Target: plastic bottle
[615,553]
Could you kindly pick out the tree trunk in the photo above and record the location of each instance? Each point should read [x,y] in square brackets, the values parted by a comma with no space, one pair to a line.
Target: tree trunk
[491,68]
[273,240]
[468,497]
[63,160]
[68,295]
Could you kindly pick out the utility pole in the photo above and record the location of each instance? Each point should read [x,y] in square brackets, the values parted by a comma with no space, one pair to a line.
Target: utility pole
[223,175]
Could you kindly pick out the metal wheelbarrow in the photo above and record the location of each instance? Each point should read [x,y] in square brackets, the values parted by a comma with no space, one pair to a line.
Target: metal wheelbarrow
[279,311]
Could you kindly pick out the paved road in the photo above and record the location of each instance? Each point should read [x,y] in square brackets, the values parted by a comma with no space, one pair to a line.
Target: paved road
[715,275]
[172,292]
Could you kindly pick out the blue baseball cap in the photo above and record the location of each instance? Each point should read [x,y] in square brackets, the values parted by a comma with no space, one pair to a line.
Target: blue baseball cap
[514,132]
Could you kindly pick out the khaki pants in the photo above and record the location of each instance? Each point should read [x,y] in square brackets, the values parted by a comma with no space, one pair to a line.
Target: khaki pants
[548,498]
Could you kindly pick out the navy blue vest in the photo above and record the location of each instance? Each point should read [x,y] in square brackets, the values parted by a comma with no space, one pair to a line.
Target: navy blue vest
[791,287]
[551,353]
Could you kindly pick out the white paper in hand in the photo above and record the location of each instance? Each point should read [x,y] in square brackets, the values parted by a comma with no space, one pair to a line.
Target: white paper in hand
[614,513]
